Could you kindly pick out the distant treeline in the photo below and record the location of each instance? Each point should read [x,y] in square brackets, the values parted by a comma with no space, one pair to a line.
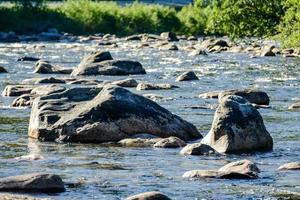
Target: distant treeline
[235,18]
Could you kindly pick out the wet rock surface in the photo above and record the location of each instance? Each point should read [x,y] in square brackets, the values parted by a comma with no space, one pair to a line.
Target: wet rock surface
[3,70]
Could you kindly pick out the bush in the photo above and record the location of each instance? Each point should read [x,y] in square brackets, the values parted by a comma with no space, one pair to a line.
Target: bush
[290,25]
[238,18]
[194,18]
[111,18]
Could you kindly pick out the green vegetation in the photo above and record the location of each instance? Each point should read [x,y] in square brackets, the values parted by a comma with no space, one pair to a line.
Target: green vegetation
[234,18]
[290,25]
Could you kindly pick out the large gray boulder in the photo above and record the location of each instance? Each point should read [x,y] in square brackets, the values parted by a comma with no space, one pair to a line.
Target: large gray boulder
[83,115]
[237,127]
[37,182]
[101,63]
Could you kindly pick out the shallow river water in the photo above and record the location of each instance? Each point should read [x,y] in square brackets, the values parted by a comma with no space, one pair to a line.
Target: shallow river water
[114,173]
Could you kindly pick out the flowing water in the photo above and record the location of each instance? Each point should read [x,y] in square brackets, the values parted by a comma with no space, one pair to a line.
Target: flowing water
[114,173]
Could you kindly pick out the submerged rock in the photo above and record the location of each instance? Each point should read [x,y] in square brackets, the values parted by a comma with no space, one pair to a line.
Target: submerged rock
[83,115]
[237,127]
[197,149]
[44,67]
[170,142]
[243,169]
[38,182]
[149,196]
[187,76]
[2,70]
[151,86]
[28,58]
[290,166]
[7,196]
[101,63]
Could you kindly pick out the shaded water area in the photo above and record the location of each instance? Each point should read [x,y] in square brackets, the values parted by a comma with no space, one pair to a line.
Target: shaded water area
[114,173]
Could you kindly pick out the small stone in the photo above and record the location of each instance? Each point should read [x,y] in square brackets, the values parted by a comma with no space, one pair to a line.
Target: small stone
[294,106]
[187,76]
[195,174]
[197,149]
[149,196]
[129,82]
[171,47]
[290,166]
[170,142]
[28,58]
[170,36]
[267,51]
[150,86]
[139,142]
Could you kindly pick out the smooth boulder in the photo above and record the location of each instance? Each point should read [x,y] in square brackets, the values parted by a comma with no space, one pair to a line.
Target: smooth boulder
[129,82]
[187,76]
[238,127]
[170,142]
[83,115]
[197,149]
[149,196]
[37,182]
[170,36]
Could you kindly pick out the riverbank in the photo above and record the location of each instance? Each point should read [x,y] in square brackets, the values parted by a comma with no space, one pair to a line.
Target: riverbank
[84,17]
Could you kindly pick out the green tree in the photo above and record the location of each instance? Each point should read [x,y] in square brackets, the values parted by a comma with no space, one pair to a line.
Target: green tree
[290,25]
[238,18]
